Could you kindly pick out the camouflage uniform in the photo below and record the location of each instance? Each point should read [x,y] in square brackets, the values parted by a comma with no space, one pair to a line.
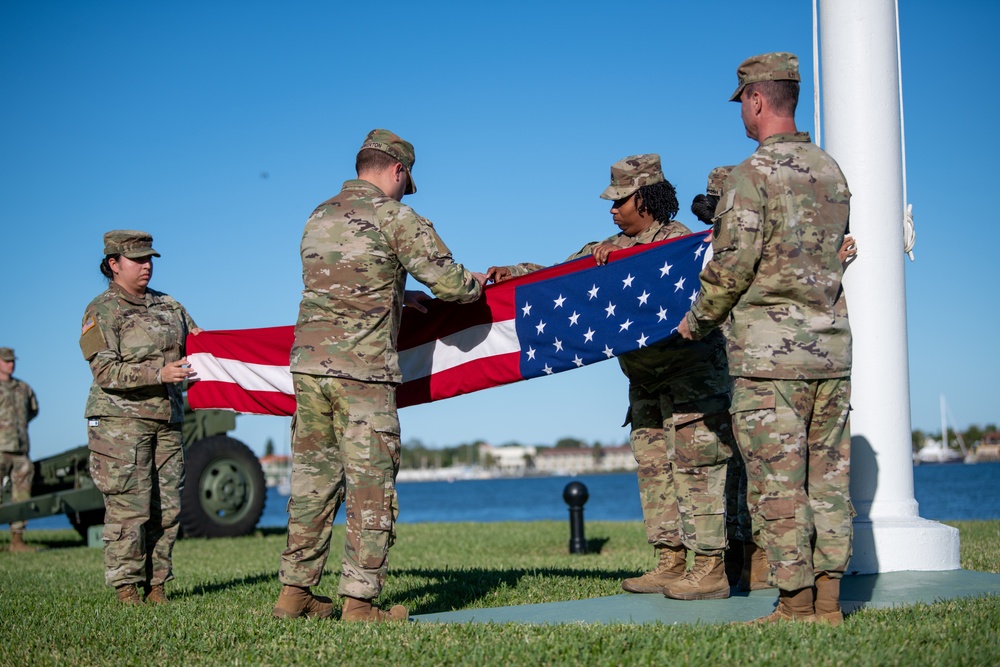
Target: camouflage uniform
[18,406]
[356,251]
[681,435]
[134,422]
[776,276]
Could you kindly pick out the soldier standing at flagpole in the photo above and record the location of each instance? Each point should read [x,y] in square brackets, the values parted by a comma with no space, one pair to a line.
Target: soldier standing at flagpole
[18,406]
[356,251]
[776,274]
[678,407]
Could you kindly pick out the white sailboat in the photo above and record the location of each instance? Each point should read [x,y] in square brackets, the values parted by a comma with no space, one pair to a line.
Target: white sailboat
[938,451]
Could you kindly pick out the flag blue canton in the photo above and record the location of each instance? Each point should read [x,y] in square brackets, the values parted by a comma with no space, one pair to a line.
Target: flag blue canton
[605,311]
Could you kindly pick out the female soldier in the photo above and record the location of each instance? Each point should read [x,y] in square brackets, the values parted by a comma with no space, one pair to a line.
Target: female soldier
[678,407]
[133,337]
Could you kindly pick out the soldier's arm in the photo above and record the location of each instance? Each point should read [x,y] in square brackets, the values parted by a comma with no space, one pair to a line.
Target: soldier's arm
[32,404]
[736,251]
[100,342]
[501,273]
[426,257]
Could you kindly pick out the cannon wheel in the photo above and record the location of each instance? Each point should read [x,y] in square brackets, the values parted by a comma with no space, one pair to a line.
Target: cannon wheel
[223,490]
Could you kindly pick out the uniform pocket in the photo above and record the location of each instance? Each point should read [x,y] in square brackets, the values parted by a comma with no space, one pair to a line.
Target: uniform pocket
[376,518]
[112,475]
[112,532]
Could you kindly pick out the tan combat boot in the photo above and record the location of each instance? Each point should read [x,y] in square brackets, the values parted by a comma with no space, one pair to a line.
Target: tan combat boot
[705,581]
[828,600]
[364,610]
[672,564]
[295,601]
[17,544]
[792,606]
[755,567]
[128,595]
[156,594]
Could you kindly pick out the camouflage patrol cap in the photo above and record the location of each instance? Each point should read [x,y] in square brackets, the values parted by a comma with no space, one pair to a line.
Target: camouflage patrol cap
[7,354]
[392,145]
[631,173]
[129,243]
[766,67]
[716,178]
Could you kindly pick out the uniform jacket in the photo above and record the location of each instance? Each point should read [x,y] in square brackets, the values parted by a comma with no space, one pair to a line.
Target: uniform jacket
[127,340]
[18,406]
[356,251]
[775,269]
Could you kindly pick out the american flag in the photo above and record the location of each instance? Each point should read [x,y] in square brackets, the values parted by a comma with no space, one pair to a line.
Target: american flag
[553,320]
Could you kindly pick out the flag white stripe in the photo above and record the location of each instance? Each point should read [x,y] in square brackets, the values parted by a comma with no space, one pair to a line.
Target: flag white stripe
[252,377]
[478,342]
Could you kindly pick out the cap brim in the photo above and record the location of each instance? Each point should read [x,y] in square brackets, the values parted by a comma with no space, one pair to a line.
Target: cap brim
[735,97]
[140,254]
[613,193]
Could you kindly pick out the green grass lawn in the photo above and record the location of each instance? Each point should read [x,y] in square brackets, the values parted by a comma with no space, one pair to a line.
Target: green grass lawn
[55,609]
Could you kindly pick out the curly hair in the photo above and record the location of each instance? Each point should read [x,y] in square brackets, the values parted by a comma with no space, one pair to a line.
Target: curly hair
[659,200]
[703,207]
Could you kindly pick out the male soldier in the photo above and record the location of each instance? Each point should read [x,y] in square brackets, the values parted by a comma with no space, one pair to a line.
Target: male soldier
[681,435]
[356,251]
[18,406]
[775,272]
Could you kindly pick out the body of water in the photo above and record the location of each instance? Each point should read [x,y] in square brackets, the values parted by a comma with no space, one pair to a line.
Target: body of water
[944,492]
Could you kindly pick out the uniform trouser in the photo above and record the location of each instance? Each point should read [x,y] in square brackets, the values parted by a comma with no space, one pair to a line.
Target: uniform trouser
[21,472]
[345,449]
[682,473]
[138,464]
[795,439]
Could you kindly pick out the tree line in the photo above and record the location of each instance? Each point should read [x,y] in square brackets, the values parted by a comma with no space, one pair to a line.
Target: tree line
[416,455]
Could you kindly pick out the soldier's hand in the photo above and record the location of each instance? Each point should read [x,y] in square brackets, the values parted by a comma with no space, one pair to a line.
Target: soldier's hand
[684,330]
[498,274]
[176,371]
[415,299]
[195,331]
[602,251]
[848,249]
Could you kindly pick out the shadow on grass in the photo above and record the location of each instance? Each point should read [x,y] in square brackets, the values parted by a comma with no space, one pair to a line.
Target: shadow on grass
[450,590]
[216,587]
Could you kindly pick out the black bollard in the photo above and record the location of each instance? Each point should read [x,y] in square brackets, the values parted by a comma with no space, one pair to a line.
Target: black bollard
[575,494]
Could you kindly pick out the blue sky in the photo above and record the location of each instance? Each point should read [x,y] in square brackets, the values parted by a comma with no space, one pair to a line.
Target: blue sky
[218,127]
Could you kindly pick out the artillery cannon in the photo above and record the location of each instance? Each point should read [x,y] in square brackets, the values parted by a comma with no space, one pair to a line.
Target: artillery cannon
[223,492]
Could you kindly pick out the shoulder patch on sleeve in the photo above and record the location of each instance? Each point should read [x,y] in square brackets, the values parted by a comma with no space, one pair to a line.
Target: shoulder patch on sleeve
[91,339]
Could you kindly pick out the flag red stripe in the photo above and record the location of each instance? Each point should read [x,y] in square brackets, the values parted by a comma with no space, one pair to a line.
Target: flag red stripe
[473,376]
[269,346]
[209,395]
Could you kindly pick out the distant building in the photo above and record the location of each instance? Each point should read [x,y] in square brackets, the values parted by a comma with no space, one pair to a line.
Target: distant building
[509,460]
[989,447]
[573,461]
[277,469]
